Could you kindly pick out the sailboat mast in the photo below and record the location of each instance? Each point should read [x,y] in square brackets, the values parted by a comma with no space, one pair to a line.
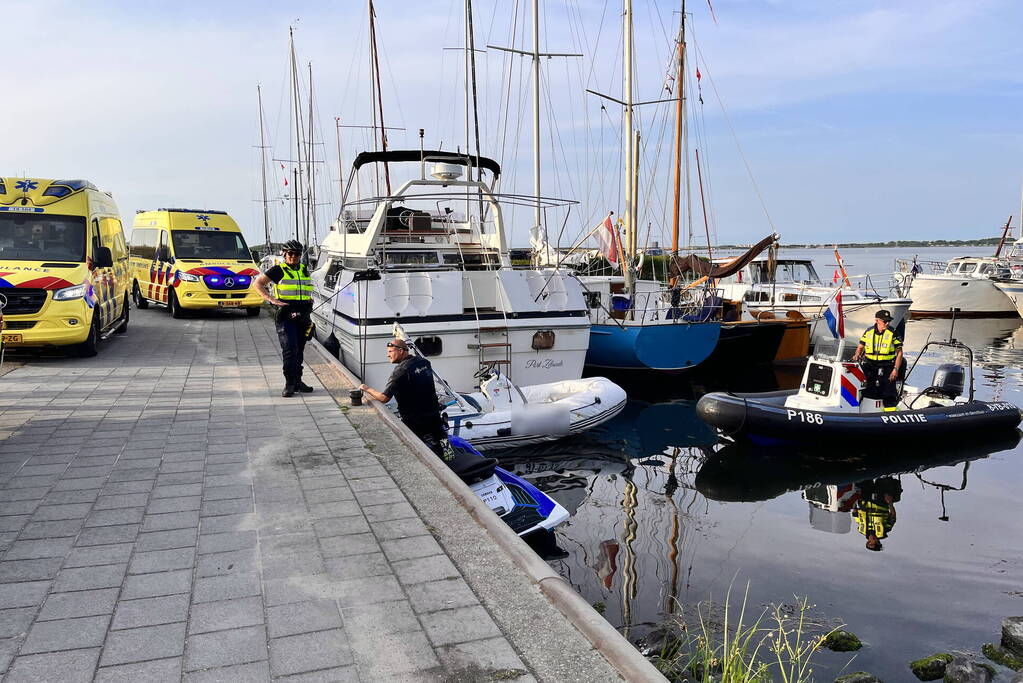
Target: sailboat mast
[375,76]
[297,117]
[679,117]
[627,138]
[310,161]
[536,113]
[340,164]
[262,169]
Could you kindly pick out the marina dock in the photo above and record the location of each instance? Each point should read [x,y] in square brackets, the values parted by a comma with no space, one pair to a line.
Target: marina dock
[165,515]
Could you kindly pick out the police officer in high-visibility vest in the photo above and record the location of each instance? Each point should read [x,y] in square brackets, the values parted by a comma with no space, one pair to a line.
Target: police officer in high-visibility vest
[294,302]
[881,348]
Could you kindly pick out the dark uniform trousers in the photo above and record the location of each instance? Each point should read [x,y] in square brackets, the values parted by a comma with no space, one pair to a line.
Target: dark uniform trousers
[291,333]
[878,386]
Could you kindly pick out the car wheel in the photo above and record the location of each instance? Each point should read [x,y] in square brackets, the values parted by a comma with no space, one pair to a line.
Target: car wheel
[173,306]
[90,347]
[141,302]
[122,326]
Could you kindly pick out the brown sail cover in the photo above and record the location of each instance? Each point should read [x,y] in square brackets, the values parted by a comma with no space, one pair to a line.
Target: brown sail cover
[680,265]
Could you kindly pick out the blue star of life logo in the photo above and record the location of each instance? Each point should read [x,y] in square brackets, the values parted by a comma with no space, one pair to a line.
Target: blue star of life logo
[205,219]
[26,185]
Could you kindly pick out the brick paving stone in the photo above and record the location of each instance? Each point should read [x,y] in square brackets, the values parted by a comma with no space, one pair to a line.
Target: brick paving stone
[225,587]
[240,673]
[357,566]
[180,504]
[157,584]
[225,648]
[29,570]
[167,609]
[408,548]
[420,570]
[161,560]
[141,644]
[79,604]
[309,652]
[228,541]
[155,671]
[171,520]
[106,535]
[115,517]
[302,617]
[167,540]
[408,653]
[85,578]
[14,623]
[225,614]
[65,634]
[381,618]
[99,554]
[232,562]
[459,625]
[66,667]
[441,595]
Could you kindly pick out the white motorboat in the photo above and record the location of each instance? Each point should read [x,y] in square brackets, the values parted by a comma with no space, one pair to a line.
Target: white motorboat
[433,255]
[1013,289]
[504,415]
[795,286]
[965,283]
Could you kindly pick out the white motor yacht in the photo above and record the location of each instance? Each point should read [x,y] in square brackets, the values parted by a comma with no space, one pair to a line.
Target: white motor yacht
[795,286]
[965,284]
[432,255]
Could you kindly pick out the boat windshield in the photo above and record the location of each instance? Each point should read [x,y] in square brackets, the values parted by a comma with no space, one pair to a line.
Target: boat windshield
[785,271]
[36,237]
[828,349]
[967,267]
[203,244]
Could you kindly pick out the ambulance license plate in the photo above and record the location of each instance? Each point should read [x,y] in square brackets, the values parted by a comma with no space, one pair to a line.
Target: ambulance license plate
[10,338]
[229,304]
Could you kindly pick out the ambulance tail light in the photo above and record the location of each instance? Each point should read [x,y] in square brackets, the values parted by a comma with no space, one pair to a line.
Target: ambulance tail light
[69,293]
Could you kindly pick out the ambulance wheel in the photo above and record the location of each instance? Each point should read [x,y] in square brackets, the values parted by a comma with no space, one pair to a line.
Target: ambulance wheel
[90,347]
[174,307]
[254,312]
[122,326]
[141,302]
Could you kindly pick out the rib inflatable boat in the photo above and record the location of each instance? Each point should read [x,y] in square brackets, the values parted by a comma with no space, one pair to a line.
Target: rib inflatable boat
[505,415]
[829,405]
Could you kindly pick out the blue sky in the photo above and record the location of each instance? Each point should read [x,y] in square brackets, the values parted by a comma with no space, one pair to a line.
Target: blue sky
[858,120]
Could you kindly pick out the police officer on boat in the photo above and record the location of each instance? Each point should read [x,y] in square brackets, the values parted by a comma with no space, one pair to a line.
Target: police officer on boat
[411,385]
[294,305]
[881,348]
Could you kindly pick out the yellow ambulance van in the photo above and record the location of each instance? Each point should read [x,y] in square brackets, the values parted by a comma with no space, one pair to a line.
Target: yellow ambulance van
[63,264]
[191,259]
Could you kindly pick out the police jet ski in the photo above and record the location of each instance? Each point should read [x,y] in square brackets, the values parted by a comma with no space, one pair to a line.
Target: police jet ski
[829,404]
[522,506]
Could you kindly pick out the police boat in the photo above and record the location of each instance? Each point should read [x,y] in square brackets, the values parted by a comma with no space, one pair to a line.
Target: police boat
[830,404]
[522,506]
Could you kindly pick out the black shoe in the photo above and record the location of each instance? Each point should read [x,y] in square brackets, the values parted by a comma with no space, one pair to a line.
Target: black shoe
[303,387]
[288,392]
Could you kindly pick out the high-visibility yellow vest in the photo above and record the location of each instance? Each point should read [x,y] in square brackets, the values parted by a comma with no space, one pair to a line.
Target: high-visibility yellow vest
[295,285]
[873,517]
[880,347]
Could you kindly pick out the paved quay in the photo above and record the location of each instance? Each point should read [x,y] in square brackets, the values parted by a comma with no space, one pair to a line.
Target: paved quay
[166,515]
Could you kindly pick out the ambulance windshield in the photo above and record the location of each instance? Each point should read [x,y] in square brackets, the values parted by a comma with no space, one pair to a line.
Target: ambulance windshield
[37,237]
[203,244]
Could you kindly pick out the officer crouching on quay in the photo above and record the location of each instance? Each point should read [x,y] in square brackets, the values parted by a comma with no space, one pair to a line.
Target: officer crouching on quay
[881,349]
[411,385]
[294,305]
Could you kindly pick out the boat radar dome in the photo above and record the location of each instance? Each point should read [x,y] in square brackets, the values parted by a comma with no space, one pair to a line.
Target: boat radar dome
[442,171]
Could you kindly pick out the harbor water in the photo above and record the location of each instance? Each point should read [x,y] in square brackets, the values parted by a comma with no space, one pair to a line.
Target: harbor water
[666,519]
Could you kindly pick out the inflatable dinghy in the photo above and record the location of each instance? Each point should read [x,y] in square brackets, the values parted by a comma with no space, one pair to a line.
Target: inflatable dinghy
[829,408]
[504,415]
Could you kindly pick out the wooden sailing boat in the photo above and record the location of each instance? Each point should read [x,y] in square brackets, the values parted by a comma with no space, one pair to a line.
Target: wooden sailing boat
[642,324]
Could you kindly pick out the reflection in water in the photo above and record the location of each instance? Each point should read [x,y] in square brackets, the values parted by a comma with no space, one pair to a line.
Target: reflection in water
[653,528]
[742,472]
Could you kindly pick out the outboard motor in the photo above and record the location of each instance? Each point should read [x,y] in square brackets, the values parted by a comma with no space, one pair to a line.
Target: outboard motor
[949,379]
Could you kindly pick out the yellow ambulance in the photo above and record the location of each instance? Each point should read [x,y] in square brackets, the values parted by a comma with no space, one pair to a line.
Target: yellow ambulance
[63,264]
[191,259]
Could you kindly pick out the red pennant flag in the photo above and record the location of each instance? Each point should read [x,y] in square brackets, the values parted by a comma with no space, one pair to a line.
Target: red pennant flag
[285,182]
[282,165]
[698,73]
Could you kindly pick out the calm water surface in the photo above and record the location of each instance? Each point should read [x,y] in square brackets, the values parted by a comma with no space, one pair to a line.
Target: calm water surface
[662,513]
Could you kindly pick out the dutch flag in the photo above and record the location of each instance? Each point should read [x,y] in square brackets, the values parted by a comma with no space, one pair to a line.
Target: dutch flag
[836,316]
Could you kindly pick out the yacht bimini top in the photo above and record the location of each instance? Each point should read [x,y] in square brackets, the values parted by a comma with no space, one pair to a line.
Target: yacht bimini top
[406,155]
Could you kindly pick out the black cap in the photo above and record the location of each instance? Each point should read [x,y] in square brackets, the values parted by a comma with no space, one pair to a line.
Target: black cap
[884,315]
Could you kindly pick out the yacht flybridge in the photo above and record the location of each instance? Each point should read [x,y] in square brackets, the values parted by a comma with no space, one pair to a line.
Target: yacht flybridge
[433,256]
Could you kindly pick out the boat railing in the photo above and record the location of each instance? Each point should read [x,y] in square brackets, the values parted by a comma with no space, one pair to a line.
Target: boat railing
[914,266]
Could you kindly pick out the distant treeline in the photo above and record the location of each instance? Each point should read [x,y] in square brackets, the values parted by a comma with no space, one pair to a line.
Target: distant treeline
[987,241]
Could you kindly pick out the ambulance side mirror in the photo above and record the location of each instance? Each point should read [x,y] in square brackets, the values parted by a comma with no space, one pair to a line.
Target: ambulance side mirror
[102,258]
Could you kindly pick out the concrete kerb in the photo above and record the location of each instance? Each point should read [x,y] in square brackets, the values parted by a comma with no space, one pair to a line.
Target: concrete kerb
[611,644]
